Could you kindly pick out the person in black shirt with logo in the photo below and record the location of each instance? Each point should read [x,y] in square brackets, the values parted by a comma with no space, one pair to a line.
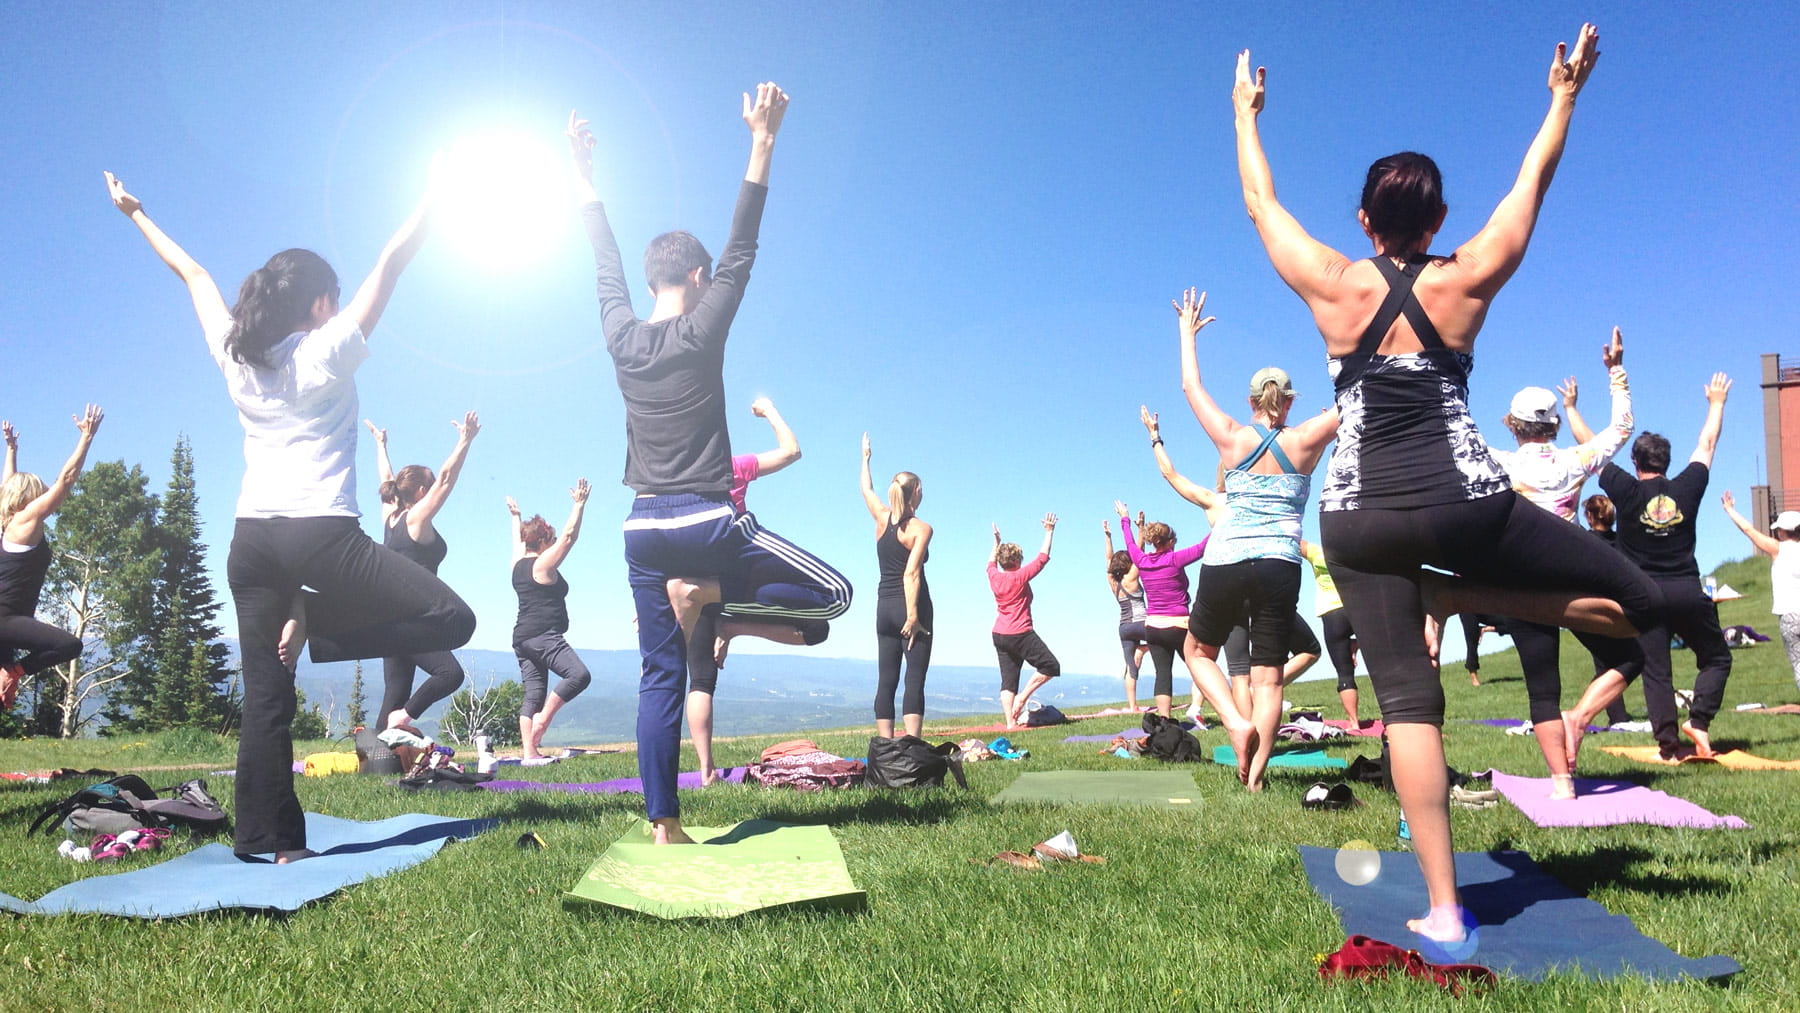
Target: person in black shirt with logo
[1656,516]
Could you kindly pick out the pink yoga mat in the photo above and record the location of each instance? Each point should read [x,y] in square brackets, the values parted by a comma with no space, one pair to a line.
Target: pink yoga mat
[1601,803]
[1372,730]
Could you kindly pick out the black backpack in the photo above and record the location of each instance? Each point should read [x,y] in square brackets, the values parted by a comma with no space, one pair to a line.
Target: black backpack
[127,802]
[908,761]
[1168,741]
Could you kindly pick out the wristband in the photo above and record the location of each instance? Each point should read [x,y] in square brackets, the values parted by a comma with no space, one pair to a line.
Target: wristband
[1157,442]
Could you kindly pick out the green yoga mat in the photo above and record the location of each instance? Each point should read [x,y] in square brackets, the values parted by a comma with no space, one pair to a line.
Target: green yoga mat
[1301,759]
[1172,789]
[750,866]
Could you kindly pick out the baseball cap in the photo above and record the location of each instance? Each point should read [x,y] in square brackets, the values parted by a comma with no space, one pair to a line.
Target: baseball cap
[1534,404]
[1274,374]
[1787,520]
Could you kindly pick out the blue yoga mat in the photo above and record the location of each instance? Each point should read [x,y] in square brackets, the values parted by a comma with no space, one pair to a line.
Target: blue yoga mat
[1527,923]
[211,878]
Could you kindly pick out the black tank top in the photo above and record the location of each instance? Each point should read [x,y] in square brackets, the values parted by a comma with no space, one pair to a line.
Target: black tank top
[399,538]
[543,608]
[893,556]
[22,577]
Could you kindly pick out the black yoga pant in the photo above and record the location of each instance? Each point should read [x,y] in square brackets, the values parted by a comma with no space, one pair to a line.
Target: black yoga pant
[443,675]
[1237,647]
[538,657]
[35,645]
[891,650]
[1166,644]
[1131,637]
[1258,593]
[1540,656]
[1338,640]
[1689,614]
[1471,623]
[1015,650]
[366,601]
[1502,540]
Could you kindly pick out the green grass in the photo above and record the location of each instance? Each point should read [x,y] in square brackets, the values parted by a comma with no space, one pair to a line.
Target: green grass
[1199,909]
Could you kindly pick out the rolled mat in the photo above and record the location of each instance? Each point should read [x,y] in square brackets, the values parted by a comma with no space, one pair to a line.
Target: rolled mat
[1163,788]
[617,786]
[751,866]
[1299,759]
[1602,803]
[211,878]
[1735,759]
[1527,924]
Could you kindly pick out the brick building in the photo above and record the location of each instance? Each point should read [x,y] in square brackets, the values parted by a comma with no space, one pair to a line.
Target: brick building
[1781,441]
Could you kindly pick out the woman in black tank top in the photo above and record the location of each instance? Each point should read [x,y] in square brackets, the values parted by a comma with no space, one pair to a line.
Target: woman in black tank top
[903,615]
[543,619]
[27,646]
[1411,482]
[410,500]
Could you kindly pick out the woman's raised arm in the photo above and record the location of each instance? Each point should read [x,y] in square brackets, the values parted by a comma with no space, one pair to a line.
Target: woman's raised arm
[877,509]
[27,525]
[551,558]
[209,305]
[419,517]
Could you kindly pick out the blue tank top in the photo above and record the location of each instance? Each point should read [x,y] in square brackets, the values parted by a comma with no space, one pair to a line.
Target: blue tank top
[1262,512]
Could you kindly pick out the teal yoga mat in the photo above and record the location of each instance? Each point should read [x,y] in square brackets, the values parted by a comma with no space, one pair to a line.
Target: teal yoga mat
[1172,789]
[751,866]
[1298,759]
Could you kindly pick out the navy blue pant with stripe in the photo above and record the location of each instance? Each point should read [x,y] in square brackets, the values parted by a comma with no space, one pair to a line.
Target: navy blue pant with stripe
[761,575]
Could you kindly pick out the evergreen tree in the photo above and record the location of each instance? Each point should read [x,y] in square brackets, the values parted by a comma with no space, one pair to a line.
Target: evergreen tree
[358,706]
[189,665]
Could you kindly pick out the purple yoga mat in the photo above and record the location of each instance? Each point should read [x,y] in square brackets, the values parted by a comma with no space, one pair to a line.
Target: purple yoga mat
[1601,803]
[1516,722]
[617,786]
[1129,733]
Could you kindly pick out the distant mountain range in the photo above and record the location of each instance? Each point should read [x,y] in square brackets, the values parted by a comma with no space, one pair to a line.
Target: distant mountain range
[757,694]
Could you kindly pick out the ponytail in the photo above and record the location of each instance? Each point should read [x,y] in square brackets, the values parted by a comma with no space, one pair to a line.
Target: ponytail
[900,493]
[274,302]
[390,491]
[407,485]
[1269,399]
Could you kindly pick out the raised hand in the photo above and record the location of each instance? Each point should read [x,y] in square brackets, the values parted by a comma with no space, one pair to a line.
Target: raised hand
[1568,73]
[380,435]
[512,506]
[1726,498]
[865,447]
[125,202]
[9,434]
[763,114]
[1247,94]
[996,534]
[1151,422]
[466,429]
[1613,352]
[581,145]
[580,493]
[89,421]
[1049,522]
[1570,392]
[1717,388]
[1140,520]
[1119,505]
[1188,310]
[761,407]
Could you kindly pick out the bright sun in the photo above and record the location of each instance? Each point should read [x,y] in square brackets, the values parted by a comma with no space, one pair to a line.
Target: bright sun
[503,198]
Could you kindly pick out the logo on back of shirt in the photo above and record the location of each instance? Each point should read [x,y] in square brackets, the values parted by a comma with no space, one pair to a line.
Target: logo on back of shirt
[1660,514]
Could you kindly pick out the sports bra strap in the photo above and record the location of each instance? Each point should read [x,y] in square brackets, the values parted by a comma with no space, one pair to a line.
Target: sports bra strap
[1267,446]
[1400,300]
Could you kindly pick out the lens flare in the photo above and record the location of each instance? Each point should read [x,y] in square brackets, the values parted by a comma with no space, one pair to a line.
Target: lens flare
[1358,863]
[503,198]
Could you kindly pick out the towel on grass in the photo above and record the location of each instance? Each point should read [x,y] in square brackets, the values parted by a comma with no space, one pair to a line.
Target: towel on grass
[1164,788]
[749,866]
[1368,729]
[1735,759]
[617,786]
[1299,759]
[1528,923]
[1603,803]
[211,878]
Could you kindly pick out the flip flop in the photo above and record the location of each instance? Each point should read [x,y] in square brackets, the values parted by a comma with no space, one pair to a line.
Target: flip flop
[1328,796]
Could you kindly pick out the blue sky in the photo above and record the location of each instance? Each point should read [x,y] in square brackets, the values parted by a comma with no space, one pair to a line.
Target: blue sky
[976,221]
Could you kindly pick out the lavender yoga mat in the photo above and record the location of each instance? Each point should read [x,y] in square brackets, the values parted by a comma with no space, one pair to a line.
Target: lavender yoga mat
[617,786]
[1602,803]
[1516,722]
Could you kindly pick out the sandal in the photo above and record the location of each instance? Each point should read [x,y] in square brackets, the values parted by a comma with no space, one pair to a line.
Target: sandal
[1328,796]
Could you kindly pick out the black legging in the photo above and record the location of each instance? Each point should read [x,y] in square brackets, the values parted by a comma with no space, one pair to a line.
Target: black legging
[1540,657]
[1131,637]
[1300,640]
[36,646]
[1502,540]
[891,648]
[370,601]
[1691,615]
[444,674]
[1166,644]
[1339,639]
[538,657]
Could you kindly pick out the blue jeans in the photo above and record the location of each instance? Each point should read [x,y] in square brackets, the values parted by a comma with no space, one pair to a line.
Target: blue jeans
[761,576]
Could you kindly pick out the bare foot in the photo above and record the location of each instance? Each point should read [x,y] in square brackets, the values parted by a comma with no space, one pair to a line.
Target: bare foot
[1474,677]
[668,831]
[1440,925]
[1702,739]
[709,777]
[290,857]
[1243,742]
[293,635]
[1573,730]
[11,678]
[721,646]
[1562,786]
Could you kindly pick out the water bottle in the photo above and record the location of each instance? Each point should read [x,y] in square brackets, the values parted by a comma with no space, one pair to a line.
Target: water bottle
[1403,833]
[485,762]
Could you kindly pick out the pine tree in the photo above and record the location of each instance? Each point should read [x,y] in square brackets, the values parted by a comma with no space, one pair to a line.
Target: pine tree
[358,706]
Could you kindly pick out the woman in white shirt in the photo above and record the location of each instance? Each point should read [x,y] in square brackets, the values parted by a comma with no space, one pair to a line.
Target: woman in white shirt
[1784,572]
[300,563]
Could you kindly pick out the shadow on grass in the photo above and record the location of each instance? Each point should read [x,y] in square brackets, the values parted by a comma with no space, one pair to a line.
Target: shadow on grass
[1613,867]
[879,807]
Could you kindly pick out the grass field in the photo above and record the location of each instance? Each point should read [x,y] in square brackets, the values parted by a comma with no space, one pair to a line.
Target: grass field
[1205,908]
